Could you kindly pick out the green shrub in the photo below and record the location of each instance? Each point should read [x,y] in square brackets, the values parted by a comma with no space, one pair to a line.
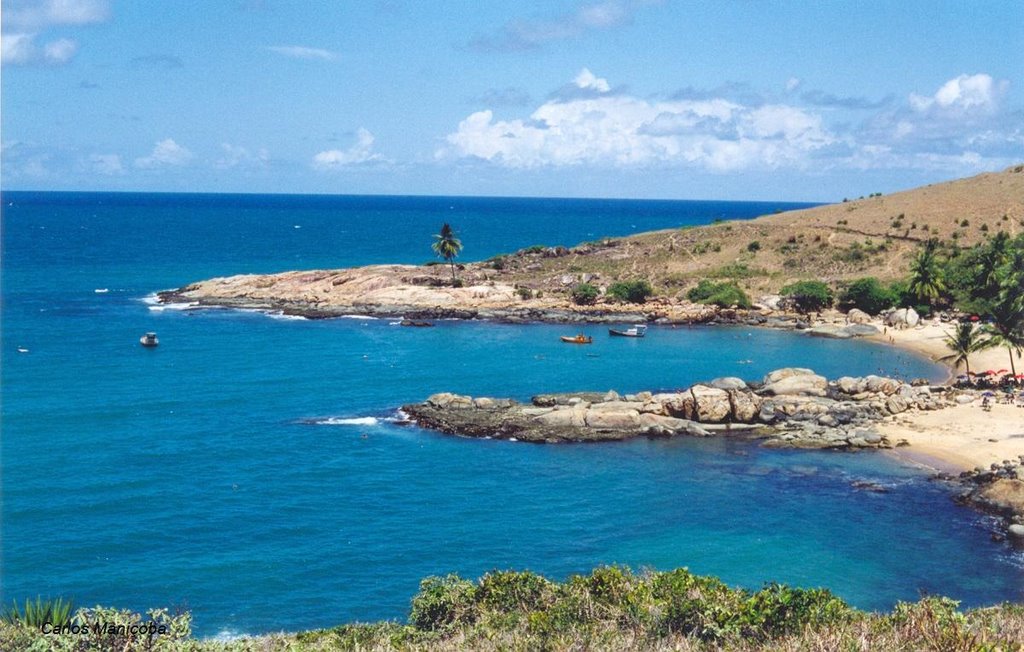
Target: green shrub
[499,262]
[723,295]
[534,249]
[584,294]
[54,612]
[630,291]
[444,603]
[809,295]
[754,246]
[524,293]
[779,610]
[507,591]
[867,294]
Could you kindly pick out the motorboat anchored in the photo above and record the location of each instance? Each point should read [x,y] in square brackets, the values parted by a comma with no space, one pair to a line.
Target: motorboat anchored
[149,340]
[577,339]
[636,330]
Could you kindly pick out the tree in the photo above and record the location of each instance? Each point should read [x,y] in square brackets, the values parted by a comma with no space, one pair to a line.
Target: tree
[1006,325]
[868,295]
[630,291]
[447,246]
[925,275]
[963,341]
[809,296]
[585,294]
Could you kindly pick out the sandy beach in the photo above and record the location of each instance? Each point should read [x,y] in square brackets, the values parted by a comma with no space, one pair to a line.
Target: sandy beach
[962,437]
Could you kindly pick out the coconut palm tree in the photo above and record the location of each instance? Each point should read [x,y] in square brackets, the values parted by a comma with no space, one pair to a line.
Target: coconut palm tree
[1006,325]
[925,276]
[447,246]
[963,341]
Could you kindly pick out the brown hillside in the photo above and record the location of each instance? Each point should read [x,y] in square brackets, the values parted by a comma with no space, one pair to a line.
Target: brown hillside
[869,236]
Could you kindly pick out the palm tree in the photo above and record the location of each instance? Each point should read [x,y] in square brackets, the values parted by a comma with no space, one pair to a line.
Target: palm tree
[1006,327]
[963,341]
[925,276]
[447,246]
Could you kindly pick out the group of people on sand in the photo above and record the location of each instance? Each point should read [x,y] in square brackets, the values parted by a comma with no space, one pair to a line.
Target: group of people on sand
[1006,398]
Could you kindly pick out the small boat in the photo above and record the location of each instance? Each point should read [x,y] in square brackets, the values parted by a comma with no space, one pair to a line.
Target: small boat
[637,330]
[578,339]
[149,340]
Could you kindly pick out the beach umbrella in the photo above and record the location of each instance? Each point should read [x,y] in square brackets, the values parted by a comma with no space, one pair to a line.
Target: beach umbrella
[974,318]
[988,394]
[1003,371]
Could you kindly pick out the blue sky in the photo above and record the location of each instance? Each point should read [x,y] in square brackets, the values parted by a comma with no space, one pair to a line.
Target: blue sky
[742,99]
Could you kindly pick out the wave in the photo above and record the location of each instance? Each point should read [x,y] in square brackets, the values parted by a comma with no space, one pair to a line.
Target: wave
[228,636]
[357,317]
[280,315]
[339,421]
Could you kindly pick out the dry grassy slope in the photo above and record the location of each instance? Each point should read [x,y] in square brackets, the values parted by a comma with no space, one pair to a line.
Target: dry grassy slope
[872,236]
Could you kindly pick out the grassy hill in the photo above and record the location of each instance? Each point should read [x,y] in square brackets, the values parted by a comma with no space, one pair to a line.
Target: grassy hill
[873,236]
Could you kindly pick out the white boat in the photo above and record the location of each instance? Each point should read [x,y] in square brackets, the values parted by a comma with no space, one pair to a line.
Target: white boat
[149,340]
[637,330]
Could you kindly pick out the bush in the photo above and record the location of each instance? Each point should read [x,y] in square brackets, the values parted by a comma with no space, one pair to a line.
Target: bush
[54,612]
[809,295]
[723,295]
[754,246]
[584,294]
[867,294]
[524,293]
[630,291]
[443,603]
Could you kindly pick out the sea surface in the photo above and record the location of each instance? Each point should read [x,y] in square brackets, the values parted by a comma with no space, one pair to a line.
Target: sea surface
[250,468]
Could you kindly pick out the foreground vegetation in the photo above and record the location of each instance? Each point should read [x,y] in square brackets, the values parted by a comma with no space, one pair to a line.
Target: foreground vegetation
[611,608]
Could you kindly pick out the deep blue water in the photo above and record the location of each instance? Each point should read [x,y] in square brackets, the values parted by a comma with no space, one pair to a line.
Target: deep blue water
[220,472]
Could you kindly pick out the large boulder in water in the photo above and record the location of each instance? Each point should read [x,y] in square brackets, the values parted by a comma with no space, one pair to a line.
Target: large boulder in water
[746,406]
[794,381]
[711,405]
[729,382]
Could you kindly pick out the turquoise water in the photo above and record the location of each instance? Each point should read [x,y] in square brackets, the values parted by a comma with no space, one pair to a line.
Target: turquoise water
[247,469]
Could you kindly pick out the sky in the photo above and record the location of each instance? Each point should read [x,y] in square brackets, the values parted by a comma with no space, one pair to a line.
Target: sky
[732,99]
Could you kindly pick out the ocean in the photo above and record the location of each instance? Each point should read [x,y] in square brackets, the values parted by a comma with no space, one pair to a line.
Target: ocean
[250,469]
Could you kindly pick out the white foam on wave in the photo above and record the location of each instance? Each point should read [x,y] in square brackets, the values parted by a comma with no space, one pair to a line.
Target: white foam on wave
[281,315]
[400,416]
[358,317]
[227,636]
[352,421]
[101,290]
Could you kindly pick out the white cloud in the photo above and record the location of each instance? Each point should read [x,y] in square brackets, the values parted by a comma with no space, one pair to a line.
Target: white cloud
[233,156]
[586,79]
[109,164]
[165,152]
[25,20]
[360,153]
[621,130]
[22,49]
[962,95]
[302,52]
[792,84]
[33,15]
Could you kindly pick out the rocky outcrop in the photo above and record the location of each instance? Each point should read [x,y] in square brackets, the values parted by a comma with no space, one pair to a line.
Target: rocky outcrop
[793,408]
[857,316]
[997,490]
[902,318]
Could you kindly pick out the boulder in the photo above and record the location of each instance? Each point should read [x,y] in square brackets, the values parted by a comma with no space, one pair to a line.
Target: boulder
[850,385]
[613,420]
[565,418]
[746,406]
[881,385]
[896,404]
[786,372]
[679,404]
[659,425]
[449,401]
[857,316]
[860,330]
[1016,531]
[903,318]
[711,405]
[809,384]
[728,382]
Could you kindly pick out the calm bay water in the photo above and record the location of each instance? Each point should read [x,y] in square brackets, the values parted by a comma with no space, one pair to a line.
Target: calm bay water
[247,469]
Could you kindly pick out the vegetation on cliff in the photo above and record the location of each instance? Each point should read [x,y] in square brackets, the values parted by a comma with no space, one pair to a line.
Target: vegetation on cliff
[612,608]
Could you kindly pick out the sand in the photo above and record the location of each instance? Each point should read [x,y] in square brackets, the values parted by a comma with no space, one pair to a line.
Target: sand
[961,437]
